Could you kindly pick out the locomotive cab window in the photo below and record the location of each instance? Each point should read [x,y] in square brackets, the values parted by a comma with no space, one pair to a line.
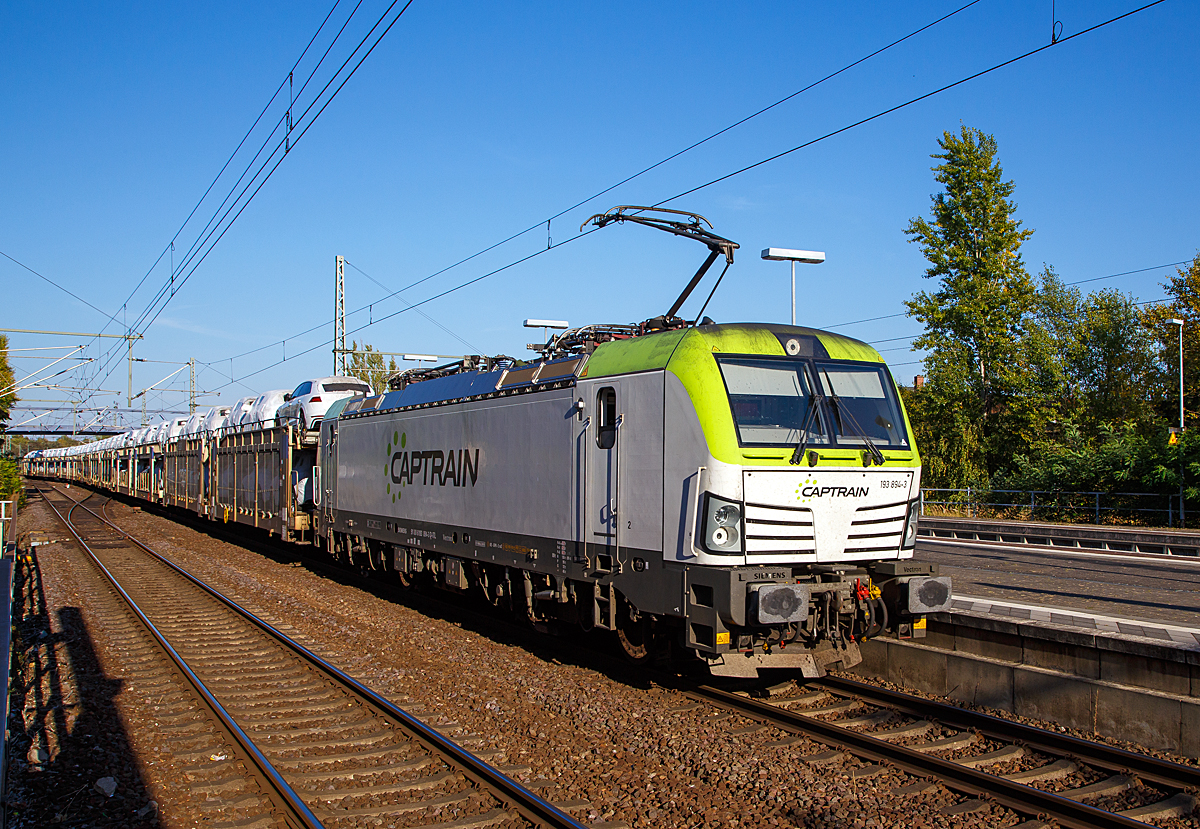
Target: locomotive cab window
[771,401]
[861,403]
[606,405]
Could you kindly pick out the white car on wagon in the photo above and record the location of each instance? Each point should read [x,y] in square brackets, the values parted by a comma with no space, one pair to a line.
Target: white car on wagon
[312,398]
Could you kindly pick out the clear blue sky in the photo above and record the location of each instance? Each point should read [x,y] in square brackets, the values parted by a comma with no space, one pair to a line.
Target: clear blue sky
[472,121]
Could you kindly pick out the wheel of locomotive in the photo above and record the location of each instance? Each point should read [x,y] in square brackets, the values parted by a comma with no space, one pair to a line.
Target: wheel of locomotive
[635,632]
[376,555]
[360,554]
[339,549]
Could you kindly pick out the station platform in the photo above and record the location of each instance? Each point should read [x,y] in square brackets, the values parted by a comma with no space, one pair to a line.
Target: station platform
[1113,625]
[1103,641]
[1162,590]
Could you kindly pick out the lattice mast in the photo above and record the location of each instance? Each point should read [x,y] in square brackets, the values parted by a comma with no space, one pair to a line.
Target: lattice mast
[339,317]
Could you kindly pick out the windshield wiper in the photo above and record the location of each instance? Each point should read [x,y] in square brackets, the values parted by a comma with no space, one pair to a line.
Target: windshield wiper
[798,455]
[862,433]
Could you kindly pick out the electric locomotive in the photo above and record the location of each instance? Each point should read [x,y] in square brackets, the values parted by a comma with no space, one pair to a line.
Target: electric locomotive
[747,492]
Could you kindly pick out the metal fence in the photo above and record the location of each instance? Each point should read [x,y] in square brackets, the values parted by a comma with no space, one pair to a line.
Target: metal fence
[1149,509]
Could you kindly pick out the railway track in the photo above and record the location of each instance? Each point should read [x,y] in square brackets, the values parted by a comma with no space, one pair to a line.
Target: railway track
[273,735]
[1045,774]
[1052,776]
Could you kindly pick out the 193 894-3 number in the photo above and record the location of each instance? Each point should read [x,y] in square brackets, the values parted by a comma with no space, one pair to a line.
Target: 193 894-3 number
[893,484]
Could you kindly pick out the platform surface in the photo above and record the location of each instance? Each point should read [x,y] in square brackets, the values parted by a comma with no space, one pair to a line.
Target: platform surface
[1094,622]
[1103,590]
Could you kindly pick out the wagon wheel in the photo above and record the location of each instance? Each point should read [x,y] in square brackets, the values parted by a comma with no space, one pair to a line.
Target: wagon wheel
[635,632]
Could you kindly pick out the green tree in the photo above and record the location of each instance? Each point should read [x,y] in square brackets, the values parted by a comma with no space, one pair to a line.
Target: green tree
[1091,358]
[1112,360]
[977,373]
[946,427]
[1052,341]
[367,364]
[7,401]
[10,479]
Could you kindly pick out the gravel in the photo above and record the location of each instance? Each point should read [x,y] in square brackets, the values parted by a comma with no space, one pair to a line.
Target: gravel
[75,707]
[561,726]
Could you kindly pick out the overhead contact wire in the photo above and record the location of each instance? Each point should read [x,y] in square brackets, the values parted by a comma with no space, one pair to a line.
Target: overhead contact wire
[277,163]
[908,103]
[295,141]
[630,178]
[233,155]
[727,176]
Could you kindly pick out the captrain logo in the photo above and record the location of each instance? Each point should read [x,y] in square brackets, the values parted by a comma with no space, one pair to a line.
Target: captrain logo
[398,440]
[807,491]
[429,467]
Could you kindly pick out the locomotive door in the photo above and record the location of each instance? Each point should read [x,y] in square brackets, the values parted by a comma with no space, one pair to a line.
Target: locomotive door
[602,450]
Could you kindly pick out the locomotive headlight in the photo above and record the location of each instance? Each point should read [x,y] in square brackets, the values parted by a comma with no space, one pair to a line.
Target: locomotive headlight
[722,526]
[727,516]
[725,537]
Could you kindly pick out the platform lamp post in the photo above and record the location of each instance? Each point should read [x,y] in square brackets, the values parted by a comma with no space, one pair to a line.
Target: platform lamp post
[419,358]
[1179,322]
[807,257]
[547,326]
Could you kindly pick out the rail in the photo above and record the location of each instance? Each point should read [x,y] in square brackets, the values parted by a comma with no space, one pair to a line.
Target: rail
[295,808]
[967,776]
[532,808]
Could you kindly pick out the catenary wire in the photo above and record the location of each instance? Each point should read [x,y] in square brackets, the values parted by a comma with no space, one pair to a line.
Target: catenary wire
[60,287]
[841,130]
[474,348]
[169,284]
[415,305]
[1067,284]
[908,103]
[143,324]
[209,228]
[107,356]
[630,178]
[735,172]
[236,150]
[282,121]
[774,157]
[294,142]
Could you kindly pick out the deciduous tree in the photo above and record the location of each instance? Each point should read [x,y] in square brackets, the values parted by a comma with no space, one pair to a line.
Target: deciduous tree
[7,401]
[367,364]
[1184,291]
[976,320]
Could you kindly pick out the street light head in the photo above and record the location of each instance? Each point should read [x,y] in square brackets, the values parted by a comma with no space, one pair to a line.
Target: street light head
[558,324]
[1175,322]
[808,257]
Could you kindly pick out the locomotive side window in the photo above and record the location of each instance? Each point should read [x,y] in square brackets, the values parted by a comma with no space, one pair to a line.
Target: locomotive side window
[606,405]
